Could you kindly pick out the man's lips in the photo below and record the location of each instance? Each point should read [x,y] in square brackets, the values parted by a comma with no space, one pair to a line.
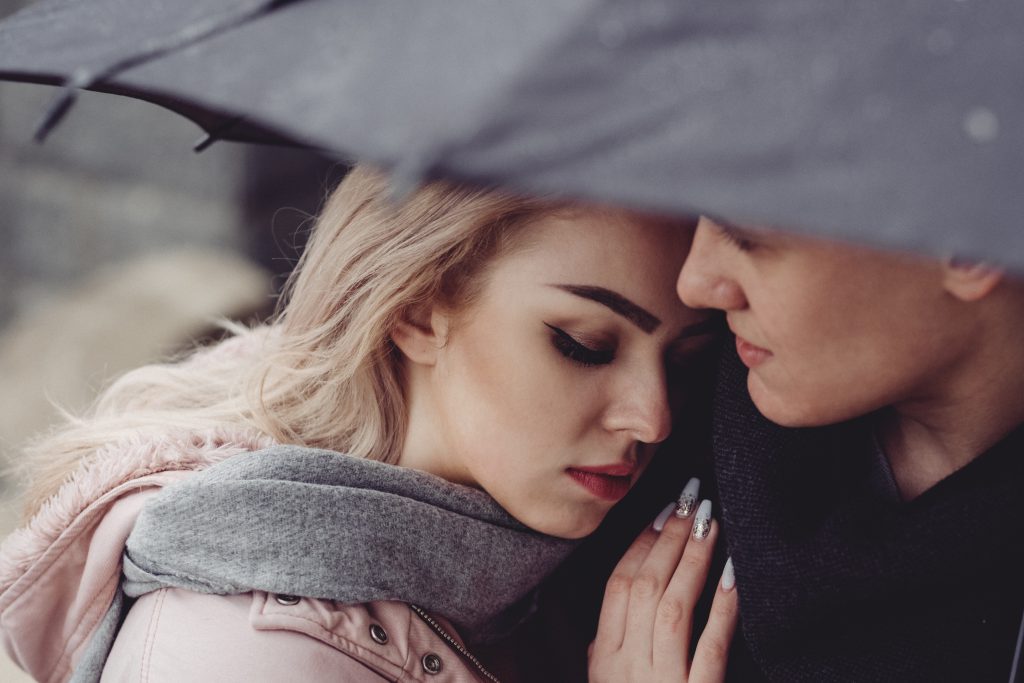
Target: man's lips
[608,482]
[751,355]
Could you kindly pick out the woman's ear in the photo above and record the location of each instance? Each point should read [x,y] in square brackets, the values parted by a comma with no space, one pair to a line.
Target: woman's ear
[421,333]
[970,280]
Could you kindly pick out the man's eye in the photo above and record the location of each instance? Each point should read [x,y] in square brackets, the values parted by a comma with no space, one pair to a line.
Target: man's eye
[741,243]
[576,352]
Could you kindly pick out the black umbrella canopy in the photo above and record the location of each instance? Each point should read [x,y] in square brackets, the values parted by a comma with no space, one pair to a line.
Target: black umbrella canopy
[895,124]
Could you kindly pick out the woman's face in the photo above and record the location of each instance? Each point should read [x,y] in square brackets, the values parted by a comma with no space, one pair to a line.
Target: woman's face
[829,332]
[551,390]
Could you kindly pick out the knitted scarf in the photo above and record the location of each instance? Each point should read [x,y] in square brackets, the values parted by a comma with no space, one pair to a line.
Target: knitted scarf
[325,525]
[839,581]
[321,524]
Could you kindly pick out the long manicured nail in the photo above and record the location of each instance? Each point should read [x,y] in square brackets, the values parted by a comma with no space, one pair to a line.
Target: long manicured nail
[659,521]
[688,498]
[728,576]
[702,522]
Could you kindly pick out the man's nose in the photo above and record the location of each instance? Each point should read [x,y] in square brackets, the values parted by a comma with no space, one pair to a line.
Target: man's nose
[705,280]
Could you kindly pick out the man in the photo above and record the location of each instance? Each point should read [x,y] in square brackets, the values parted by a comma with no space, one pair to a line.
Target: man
[869,455]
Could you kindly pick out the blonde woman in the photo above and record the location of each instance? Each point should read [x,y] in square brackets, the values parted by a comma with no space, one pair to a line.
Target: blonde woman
[458,386]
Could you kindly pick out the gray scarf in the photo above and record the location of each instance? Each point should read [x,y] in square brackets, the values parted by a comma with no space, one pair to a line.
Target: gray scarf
[321,524]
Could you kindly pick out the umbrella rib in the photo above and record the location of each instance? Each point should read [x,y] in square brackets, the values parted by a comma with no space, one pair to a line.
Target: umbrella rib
[190,35]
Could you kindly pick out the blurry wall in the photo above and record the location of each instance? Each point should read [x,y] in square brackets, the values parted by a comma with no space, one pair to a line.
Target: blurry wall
[121,245]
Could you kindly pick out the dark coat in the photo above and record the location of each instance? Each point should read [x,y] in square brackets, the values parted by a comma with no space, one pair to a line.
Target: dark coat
[840,580]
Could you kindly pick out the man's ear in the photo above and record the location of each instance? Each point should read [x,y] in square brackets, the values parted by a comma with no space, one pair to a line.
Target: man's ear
[970,280]
[421,333]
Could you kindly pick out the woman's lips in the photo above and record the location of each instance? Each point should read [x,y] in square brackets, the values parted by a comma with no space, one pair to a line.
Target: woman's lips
[751,355]
[608,483]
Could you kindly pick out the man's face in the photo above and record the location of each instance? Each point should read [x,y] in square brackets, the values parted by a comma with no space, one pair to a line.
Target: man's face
[829,332]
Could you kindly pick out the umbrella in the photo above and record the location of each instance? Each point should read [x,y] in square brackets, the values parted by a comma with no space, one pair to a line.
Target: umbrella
[895,124]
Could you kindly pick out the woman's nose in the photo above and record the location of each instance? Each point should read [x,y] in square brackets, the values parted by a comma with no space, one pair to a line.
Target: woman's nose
[705,280]
[640,406]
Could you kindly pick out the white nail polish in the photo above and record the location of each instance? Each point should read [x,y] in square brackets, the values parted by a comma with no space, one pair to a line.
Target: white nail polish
[659,521]
[728,576]
[688,498]
[702,521]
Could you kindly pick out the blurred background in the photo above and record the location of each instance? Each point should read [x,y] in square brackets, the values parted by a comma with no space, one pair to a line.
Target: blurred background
[120,246]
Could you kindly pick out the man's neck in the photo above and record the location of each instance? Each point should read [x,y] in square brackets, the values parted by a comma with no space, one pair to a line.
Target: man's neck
[920,456]
[926,441]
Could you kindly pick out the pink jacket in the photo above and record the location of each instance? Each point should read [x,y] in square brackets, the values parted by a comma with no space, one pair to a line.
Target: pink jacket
[59,573]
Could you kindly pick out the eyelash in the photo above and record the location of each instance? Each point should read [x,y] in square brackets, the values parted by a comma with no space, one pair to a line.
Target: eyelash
[577,352]
[741,243]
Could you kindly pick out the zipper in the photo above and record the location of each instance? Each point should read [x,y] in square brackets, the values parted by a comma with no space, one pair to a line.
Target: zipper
[452,643]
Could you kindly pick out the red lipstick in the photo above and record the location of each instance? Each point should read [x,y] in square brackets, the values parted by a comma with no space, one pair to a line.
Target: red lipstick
[610,482]
[751,355]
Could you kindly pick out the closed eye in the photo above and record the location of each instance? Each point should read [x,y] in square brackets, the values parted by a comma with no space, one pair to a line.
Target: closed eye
[577,352]
[741,243]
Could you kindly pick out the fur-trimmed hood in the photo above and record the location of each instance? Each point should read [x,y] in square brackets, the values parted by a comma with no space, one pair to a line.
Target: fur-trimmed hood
[142,453]
[117,464]
[59,572]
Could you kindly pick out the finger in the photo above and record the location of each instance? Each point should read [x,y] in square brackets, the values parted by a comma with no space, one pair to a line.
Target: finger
[650,582]
[673,626]
[712,655]
[611,626]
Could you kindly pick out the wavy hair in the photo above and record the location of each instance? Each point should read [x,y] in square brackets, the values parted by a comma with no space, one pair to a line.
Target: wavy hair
[323,372]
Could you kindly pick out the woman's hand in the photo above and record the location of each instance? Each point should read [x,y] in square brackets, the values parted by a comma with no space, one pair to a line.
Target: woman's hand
[646,623]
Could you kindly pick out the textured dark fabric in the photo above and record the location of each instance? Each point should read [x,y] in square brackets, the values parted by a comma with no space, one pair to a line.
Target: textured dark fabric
[321,524]
[838,581]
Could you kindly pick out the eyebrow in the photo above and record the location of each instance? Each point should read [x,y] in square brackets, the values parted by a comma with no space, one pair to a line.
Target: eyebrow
[616,302]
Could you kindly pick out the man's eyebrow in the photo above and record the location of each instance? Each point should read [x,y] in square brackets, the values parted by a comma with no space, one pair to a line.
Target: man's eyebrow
[617,303]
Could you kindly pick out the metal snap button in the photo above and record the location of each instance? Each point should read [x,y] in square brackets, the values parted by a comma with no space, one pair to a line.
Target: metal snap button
[287,600]
[431,663]
[378,633]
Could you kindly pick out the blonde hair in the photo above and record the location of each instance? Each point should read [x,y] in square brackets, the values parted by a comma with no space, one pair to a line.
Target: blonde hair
[324,372]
